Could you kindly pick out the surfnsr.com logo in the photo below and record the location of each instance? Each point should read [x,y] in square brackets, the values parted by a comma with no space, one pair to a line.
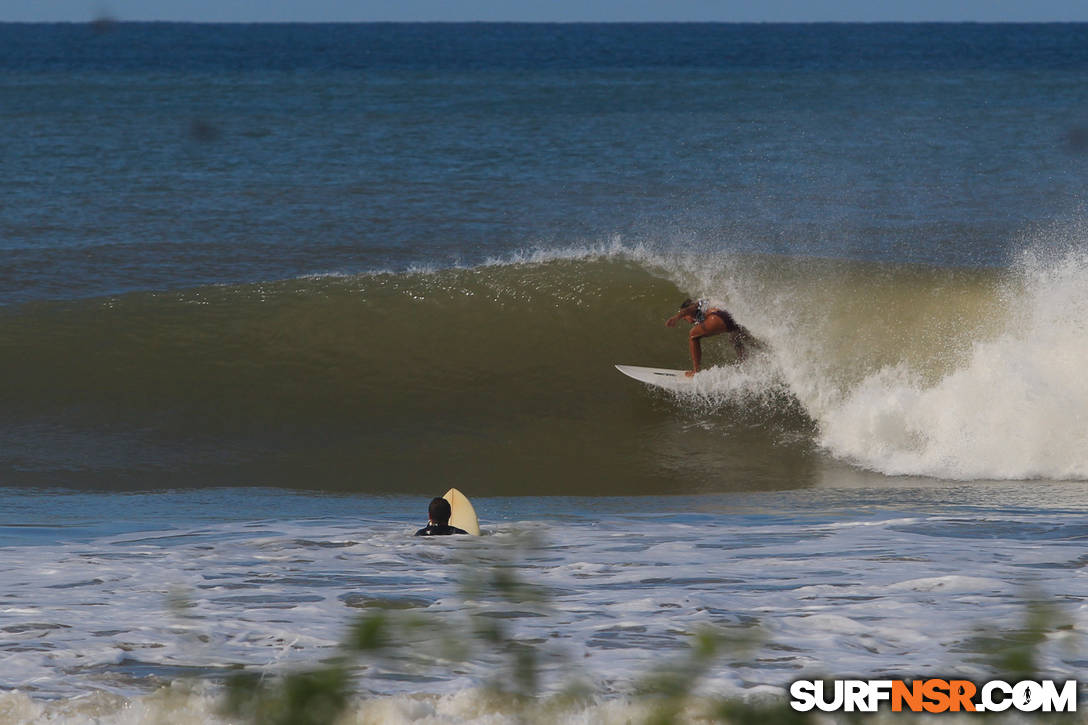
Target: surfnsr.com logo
[933,695]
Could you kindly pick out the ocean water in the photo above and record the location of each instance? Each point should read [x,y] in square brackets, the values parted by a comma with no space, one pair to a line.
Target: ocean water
[266,289]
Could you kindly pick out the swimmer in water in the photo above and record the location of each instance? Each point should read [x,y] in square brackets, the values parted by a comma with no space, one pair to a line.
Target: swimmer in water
[708,321]
[438,520]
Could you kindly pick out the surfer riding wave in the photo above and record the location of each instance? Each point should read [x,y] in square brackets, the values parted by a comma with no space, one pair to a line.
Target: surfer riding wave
[708,321]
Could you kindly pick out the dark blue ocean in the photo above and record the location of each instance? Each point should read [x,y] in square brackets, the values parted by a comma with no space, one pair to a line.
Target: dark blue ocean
[164,156]
[266,289]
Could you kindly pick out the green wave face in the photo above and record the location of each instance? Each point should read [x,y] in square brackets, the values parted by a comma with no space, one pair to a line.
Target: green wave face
[497,379]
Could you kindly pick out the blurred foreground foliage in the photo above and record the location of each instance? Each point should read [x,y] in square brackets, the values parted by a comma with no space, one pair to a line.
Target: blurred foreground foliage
[397,643]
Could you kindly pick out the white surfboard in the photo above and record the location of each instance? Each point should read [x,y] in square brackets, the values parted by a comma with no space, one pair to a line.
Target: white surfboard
[462,515]
[658,377]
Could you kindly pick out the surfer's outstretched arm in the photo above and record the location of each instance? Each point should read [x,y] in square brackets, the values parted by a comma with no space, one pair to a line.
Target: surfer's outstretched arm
[687,312]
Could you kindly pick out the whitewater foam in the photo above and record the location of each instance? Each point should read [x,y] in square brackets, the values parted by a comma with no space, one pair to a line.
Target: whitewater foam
[101,619]
[189,703]
[1016,407]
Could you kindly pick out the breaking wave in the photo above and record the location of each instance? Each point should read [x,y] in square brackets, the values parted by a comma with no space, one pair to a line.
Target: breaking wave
[502,374]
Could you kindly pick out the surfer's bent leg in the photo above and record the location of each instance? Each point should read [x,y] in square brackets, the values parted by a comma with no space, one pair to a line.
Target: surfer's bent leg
[744,342]
[710,326]
[737,338]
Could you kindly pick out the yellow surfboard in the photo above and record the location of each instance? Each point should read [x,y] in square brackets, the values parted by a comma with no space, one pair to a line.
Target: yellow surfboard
[463,516]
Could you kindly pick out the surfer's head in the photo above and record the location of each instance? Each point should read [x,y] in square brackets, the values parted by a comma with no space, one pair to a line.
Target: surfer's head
[688,309]
[439,511]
